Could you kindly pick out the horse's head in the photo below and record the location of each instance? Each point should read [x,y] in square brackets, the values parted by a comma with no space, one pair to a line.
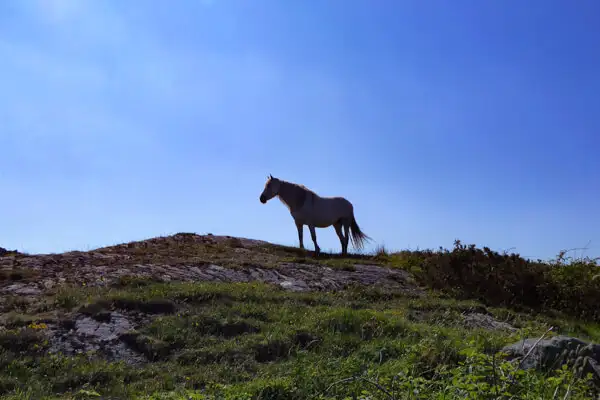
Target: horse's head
[271,189]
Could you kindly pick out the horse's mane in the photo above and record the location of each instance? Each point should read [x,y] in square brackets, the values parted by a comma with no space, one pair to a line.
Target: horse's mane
[299,185]
[300,191]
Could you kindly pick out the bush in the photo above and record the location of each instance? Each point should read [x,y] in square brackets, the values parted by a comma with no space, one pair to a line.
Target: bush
[508,280]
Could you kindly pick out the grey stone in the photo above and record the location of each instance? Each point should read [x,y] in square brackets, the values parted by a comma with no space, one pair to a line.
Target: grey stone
[484,321]
[88,335]
[103,331]
[22,289]
[553,353]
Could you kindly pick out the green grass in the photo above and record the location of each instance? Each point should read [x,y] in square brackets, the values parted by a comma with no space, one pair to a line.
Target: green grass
[254,341]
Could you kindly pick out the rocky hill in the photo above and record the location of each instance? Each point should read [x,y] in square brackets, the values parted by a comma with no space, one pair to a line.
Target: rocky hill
[223,317]
[189,257]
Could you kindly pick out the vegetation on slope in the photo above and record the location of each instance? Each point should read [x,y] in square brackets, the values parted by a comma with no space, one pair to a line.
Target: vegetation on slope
[507,280]
[256,341]
[244,341]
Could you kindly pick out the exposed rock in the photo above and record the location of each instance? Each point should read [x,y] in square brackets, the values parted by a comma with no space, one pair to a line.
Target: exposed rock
[553,353]
[48,284]
[85,334]
[546,353]
[484,321]
[22,289]
[103,331]
[247,260]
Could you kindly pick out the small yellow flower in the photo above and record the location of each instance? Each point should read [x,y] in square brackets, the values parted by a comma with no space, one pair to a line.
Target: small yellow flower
[33,325]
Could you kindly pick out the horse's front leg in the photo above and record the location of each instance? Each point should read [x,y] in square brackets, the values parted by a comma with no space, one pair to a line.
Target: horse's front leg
[300,228]
[313,235]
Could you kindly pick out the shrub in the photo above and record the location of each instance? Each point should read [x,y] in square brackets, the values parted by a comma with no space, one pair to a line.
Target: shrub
[509,280]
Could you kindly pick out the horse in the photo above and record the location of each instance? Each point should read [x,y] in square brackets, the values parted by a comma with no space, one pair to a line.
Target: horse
[308,208]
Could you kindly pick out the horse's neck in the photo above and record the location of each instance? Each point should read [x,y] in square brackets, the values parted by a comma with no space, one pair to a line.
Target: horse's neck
[288,194]
[285,194]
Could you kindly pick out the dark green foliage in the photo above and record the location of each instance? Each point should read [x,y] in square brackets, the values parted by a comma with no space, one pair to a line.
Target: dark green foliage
[22,340]
[152,348]
[507,280]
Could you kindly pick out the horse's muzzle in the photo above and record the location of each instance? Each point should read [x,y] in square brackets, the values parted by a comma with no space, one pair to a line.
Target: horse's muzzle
[262,199]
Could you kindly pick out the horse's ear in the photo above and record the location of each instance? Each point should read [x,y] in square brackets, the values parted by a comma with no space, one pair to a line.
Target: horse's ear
[270,176]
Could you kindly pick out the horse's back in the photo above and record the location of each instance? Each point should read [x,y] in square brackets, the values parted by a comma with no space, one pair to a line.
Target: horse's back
[333,207]
[338,201]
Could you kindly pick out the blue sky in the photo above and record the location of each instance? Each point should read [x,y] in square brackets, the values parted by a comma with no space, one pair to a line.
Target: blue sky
[123,120]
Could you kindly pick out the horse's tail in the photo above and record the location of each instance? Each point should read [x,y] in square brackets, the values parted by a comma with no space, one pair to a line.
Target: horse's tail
[357,236]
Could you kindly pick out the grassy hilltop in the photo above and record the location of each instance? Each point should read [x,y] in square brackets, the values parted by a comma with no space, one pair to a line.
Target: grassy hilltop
[207,317]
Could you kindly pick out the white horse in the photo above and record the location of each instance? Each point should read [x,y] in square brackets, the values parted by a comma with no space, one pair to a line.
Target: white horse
[308,208]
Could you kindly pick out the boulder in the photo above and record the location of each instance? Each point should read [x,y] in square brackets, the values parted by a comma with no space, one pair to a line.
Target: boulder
[551,354]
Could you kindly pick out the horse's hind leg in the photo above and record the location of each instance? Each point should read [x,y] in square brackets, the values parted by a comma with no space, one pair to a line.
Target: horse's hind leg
[346,225]
[313,235]
[338,230]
